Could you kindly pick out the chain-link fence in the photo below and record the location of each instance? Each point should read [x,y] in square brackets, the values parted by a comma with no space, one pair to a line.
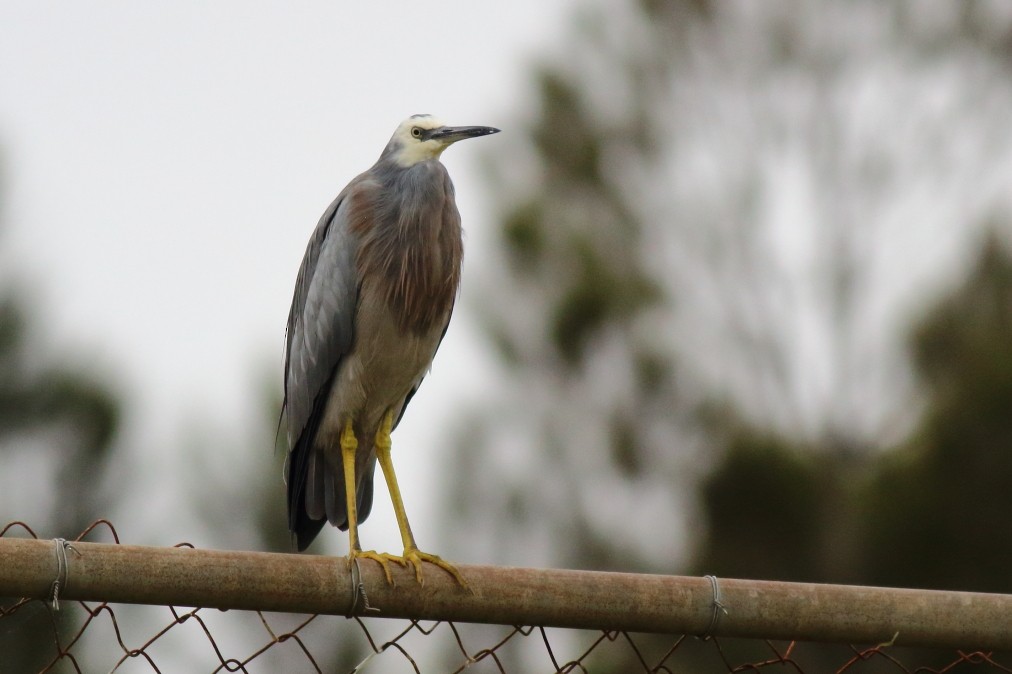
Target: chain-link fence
[87,607]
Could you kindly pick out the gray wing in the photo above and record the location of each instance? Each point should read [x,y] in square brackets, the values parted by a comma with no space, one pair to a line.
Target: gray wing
[321,327]
[321,320]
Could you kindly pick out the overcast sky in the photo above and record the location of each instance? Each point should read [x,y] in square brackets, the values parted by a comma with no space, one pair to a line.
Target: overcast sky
[163,166]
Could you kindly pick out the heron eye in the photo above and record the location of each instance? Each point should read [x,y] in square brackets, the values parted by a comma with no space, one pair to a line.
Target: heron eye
[416,132]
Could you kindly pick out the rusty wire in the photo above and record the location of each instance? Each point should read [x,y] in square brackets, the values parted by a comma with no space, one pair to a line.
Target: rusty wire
[97,640]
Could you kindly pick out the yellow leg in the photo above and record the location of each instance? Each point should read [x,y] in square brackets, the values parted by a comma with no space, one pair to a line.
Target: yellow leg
[349,448]
[411,552]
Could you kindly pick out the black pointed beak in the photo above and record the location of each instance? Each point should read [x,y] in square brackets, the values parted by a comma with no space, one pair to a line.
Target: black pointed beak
[451,134]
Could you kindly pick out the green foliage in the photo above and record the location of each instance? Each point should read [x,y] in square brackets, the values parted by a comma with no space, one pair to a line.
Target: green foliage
[524,236]
[566,136]
[738,162]
[764,508]
[754,141]
[624,442]
[932,513]
[937,511]
[71,412]
[596,296]
[964,349]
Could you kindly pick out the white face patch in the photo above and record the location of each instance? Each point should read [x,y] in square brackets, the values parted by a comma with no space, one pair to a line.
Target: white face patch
[412,148]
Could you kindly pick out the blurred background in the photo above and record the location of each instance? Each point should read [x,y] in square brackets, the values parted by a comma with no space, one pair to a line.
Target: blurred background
[737,289]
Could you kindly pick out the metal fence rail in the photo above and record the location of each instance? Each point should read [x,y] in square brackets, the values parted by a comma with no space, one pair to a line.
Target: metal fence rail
[615,604]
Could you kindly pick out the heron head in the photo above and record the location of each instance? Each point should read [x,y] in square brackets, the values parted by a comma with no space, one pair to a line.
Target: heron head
[423,137]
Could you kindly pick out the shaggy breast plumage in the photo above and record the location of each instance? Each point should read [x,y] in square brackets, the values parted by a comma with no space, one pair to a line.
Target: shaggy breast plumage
[411,243]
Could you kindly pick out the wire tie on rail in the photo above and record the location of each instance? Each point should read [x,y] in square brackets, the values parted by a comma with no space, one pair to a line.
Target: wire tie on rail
[62,570]
[718,609]
[358,592]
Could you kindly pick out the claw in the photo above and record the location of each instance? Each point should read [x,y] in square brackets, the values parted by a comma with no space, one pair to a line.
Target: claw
[415,557]
[381,558]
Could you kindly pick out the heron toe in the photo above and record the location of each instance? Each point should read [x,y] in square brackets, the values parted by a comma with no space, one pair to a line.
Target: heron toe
[415,557]
[381,558]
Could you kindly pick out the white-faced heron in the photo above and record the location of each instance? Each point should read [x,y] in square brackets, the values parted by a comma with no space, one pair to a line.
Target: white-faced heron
[372,302]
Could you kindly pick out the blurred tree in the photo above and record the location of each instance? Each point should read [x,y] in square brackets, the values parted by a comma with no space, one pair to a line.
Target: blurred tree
[931,514]
[718,221]
[781,534]
[56,431]
[938,510]
[713,232]
[56,411]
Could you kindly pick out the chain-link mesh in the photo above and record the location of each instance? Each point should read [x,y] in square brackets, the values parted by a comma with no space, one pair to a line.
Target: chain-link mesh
[75,636]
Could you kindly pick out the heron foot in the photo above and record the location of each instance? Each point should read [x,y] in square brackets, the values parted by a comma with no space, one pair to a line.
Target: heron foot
[415,557]
[381,558]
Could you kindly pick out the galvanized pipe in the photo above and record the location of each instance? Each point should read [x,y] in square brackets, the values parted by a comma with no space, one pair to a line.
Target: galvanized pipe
[133,574]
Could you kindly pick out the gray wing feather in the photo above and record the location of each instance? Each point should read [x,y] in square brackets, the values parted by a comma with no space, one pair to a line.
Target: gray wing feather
[321,321]
[321,328]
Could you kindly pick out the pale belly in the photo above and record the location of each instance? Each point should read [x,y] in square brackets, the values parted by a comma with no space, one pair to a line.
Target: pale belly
[375,376]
